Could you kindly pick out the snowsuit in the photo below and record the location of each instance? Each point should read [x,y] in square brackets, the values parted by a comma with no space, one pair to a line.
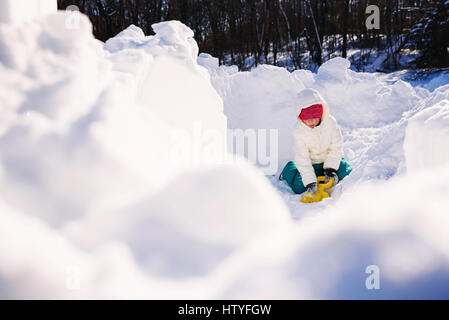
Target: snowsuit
[315,148]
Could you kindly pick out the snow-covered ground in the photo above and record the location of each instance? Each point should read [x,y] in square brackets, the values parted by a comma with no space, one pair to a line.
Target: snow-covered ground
[117,178]
[19,11]
[362,59]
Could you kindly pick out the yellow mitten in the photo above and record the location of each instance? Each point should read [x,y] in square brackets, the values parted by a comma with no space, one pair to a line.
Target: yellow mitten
[320,194]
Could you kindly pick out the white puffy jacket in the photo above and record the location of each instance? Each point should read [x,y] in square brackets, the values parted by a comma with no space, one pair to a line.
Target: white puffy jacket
[322,144]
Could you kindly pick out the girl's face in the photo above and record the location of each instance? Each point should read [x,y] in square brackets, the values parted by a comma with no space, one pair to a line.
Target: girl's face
[312,123]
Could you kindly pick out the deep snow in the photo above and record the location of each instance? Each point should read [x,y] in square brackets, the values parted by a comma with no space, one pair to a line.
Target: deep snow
[116,179]
[19,11]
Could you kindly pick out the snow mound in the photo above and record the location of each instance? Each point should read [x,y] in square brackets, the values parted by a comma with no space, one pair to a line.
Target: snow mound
[207,61]
[56,74]
[105,191]
[212,65]
[334,69]
[172,38]
[105,164]
[399,232]
[197,221]
[250,96]
[304,76]
[363,104]
[438,82]
[19,11]
[359,99]
[355,99]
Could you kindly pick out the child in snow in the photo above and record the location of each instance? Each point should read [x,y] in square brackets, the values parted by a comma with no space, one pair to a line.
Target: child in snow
[317,146]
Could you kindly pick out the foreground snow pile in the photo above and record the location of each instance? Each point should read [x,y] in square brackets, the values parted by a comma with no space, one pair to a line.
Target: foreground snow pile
[19,11]
[427,144]
[114,180]
[372,112]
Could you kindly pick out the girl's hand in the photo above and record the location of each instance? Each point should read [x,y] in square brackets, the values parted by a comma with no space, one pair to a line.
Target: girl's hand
[331,173]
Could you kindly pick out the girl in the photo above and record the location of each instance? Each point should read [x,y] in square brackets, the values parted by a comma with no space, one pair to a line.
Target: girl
[317,146]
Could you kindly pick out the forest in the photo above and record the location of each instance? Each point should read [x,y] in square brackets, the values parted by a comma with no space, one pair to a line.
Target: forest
[296,34]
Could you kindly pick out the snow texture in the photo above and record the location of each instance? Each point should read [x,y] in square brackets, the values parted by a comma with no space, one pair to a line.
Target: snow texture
[116,180]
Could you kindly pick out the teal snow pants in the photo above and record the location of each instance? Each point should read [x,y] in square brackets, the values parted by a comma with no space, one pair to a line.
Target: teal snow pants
[293,177]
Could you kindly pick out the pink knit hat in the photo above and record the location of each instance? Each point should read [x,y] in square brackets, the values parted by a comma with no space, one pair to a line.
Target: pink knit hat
[315,111]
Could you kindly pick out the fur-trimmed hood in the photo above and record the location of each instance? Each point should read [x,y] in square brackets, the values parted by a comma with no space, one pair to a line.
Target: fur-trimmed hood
[309,97]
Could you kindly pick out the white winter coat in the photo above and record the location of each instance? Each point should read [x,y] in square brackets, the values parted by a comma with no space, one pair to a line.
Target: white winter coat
[322,144]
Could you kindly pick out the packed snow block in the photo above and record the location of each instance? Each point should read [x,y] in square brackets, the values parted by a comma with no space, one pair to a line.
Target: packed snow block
[426,141]
[106,123]
[438,81]
[19,11]
[56,268]
[170,245]
[306,77]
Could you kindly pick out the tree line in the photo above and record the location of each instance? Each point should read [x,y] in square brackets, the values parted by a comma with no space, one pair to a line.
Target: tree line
[292,33]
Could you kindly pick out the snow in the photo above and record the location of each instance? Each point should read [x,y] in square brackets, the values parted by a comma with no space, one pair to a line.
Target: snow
[438,81]
[118,179]
[426,142]
[371,111]
[335,69]
[19,11]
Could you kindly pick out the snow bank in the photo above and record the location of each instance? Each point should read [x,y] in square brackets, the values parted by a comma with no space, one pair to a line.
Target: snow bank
[426,142]
[105,191]
[355,99]
[173,51]
[147,248]
[250,96]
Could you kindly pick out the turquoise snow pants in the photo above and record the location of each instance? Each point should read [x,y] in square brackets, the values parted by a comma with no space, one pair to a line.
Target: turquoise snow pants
[293,177]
